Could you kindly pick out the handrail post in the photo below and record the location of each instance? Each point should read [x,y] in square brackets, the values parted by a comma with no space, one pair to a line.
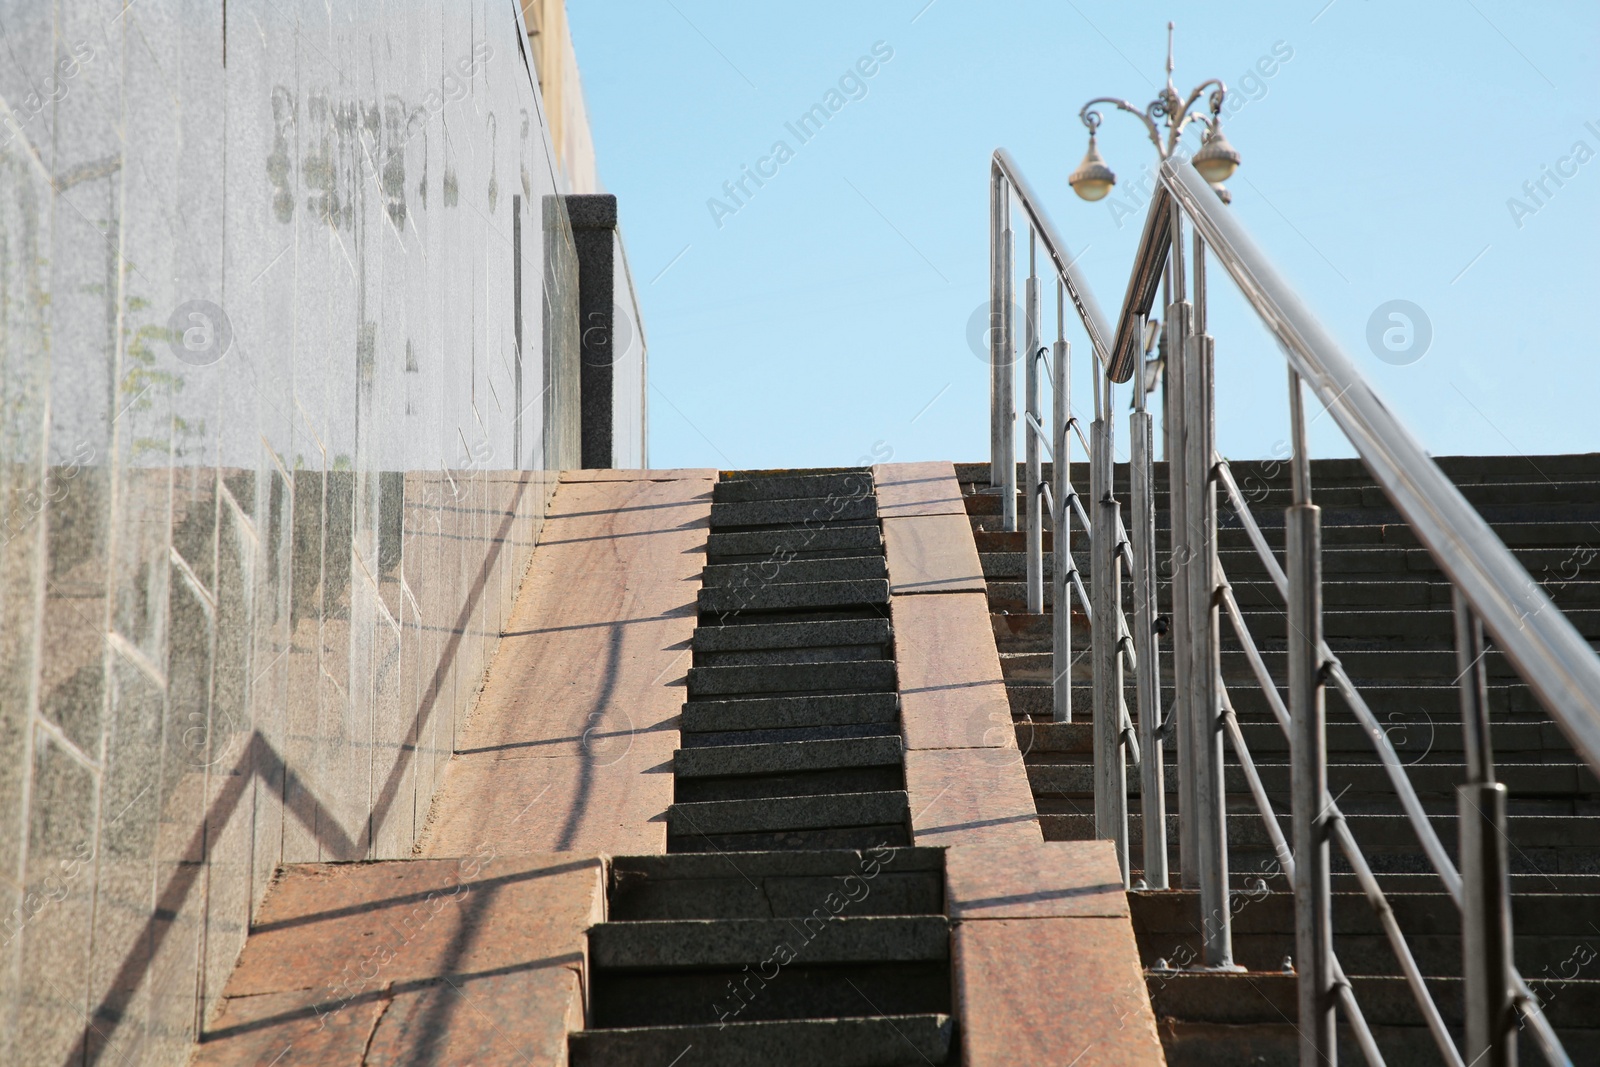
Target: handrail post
[1486,946]
[1178,480]
[1030,437]
[1061,527]
[1205,699]
[1008,392]
[1105,572]
[999,228]
[1308,776]
[1147,681]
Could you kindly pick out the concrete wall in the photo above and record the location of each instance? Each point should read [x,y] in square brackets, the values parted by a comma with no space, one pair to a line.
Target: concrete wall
[288,353]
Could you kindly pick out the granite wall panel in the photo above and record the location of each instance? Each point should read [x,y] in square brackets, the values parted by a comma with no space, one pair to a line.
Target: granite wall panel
[288,364]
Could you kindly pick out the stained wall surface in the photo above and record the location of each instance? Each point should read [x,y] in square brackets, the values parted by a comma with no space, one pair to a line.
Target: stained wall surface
[288,356]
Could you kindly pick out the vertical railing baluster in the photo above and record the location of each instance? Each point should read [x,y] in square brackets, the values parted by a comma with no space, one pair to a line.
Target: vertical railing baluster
[1178,480]
[1105,591]
[1008,394]
[1308,777]
[1147,683]
[1030,436]
[1486,947]
[1205,698]
[999,227]
[1061,520]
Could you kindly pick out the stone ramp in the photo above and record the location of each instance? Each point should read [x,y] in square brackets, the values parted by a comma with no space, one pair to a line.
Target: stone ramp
[476,952]
[775,746]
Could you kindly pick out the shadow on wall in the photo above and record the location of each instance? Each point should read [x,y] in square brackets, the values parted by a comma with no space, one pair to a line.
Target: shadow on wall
[286,374]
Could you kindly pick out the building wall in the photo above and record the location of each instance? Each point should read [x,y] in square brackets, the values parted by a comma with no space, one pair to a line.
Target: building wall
[288,348]
[556,64]
[630,410]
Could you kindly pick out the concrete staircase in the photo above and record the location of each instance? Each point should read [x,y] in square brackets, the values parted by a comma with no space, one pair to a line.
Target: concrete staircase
[1388,619]
[790,922]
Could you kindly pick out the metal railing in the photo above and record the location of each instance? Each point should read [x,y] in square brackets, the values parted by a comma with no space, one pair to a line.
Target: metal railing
[1492,592]
[1117,744]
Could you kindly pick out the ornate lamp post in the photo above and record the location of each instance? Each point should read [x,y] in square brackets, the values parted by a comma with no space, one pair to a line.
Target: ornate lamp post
[1215,161]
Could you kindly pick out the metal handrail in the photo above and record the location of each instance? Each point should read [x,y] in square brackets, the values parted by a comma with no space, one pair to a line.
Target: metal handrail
[1493,592]
[1546,650]
[1094,322]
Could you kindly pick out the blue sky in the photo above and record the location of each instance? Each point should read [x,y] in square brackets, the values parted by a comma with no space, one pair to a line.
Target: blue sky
[825,320]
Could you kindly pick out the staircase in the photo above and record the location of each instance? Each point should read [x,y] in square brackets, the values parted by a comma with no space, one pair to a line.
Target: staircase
[791,921]
[1388,619]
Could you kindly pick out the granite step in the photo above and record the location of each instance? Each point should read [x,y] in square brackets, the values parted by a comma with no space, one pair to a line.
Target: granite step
[790,596]
[829,936]
[790,712]
[763,815]
[837,569]
[758,885]
[748,636]
[793,485]
[877,675]
[881,1041]
[842,509]
[809,540]
[787,757]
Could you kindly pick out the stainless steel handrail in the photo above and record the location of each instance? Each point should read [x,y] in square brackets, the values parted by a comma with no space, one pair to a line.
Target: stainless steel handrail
[1094,322]
[1493,592]
[1546,650]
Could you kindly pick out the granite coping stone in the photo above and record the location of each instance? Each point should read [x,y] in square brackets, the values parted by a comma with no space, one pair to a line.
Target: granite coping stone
[788,712]
[970,794]
[826,935]
[1051,992]
[1053,879]
[837,1042]
[822,811]
[787,757]
[918,489]
[932,554]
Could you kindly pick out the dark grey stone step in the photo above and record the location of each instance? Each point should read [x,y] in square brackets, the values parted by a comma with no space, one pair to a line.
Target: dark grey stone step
[800,990]
[856,483]
[1413,735]
[1176,913]
[790,596]
[779,543]
[884,1041]
[765,656]
[860,675]
[802,733]
[788,813]
[753,885]
[755,635]
[787,757]
[776,713]
[826,934]
[794,512]
[1368,779]
[839,569]
[1262,997]
[882,835]
[883,777]
[1553,844]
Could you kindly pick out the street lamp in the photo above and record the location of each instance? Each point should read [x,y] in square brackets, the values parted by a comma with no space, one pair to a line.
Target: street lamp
[1216,160]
